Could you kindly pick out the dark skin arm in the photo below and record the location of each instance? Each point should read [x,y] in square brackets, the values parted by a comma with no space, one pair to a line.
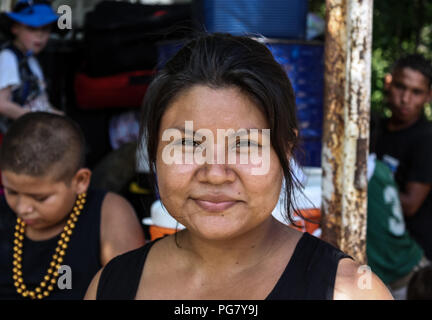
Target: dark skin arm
[413,197]
[9,108]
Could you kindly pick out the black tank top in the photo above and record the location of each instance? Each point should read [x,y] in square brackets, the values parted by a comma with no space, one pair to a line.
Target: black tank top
[82,254]
[309,275]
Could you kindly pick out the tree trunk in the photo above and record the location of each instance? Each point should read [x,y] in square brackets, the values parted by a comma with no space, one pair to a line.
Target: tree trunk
[346,124]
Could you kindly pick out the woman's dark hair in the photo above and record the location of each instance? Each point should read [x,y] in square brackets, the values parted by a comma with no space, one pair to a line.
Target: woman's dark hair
[221,61]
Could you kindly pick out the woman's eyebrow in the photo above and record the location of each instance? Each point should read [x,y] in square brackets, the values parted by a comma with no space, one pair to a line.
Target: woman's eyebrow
[239,132]
[185,131]
[243,132]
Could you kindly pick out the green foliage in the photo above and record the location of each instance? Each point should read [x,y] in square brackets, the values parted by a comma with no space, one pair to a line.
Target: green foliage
[400,27]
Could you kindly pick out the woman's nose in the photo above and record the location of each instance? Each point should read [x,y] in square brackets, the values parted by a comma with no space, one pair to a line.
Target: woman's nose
[216,174]
[214,168]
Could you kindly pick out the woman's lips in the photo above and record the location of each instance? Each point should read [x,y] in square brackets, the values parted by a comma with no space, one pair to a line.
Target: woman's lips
[215,206]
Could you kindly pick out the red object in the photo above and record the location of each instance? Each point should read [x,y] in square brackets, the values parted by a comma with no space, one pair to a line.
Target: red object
[122,90]
[306,226]
[160,13]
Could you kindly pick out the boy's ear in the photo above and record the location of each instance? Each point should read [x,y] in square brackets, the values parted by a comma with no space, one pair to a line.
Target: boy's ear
[81,180]
[14,28]
[430,95]
[387,81]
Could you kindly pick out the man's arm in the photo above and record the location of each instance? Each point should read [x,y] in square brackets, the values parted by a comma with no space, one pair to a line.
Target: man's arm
[120,228]
[413,197]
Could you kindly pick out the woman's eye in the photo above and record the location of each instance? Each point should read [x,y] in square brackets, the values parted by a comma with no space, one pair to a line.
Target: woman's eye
[187,142]
[41,199]
[190,143]
[246,143]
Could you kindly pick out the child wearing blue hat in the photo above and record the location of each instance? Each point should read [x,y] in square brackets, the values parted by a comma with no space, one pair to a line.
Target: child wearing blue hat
[22,85]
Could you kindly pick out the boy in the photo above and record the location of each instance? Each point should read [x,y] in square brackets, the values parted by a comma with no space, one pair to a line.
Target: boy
[22,87]
[404,144]
[391,251]
[48,218]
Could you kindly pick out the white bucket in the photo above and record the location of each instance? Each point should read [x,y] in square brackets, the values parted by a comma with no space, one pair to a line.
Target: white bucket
[161,218]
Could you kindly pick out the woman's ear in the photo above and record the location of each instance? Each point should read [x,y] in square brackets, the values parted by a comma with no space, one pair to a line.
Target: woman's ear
[81,180]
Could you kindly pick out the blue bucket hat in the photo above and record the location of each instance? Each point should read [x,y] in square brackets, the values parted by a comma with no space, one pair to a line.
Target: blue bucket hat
[33,13]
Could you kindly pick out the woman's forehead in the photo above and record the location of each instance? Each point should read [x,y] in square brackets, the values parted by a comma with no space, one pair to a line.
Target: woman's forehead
[210,107]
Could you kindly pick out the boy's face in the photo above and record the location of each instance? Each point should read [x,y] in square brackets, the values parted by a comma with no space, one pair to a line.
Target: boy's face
[408,92]
[29,38]
[41,202]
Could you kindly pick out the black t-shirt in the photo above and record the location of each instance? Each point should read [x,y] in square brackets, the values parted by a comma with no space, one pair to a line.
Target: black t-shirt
[408,153]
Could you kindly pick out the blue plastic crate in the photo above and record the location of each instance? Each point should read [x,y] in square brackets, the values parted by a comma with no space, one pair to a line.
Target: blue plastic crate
[310,155]
[270,18]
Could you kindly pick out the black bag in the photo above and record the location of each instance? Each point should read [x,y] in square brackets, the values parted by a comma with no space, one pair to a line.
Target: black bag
[122,36]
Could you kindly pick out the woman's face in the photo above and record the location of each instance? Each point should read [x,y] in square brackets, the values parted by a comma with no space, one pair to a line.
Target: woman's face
[226,198]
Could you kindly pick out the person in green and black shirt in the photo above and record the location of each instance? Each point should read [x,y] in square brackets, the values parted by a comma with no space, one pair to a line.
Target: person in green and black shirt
[391,251]
[404,144]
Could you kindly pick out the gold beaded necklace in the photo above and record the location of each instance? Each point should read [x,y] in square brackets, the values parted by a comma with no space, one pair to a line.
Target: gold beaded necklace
[50,279]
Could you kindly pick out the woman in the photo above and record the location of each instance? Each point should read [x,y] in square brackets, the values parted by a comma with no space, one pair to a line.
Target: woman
[232,247]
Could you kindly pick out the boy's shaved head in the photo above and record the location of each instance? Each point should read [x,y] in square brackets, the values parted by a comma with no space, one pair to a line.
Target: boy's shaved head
[43,144]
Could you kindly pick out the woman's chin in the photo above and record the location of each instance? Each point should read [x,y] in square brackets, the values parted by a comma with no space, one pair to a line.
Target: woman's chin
[214,227]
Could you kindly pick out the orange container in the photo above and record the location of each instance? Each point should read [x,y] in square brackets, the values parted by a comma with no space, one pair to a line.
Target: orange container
[306,226]
[159,232]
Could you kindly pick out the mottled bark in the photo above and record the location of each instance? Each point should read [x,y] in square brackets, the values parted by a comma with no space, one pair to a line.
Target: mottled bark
[346,124]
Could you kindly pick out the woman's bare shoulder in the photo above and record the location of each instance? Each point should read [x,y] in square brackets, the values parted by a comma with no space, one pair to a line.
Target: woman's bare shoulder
[358,282]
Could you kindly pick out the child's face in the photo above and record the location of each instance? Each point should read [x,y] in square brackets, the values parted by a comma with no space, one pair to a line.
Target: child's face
[41,202]
[29,38]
